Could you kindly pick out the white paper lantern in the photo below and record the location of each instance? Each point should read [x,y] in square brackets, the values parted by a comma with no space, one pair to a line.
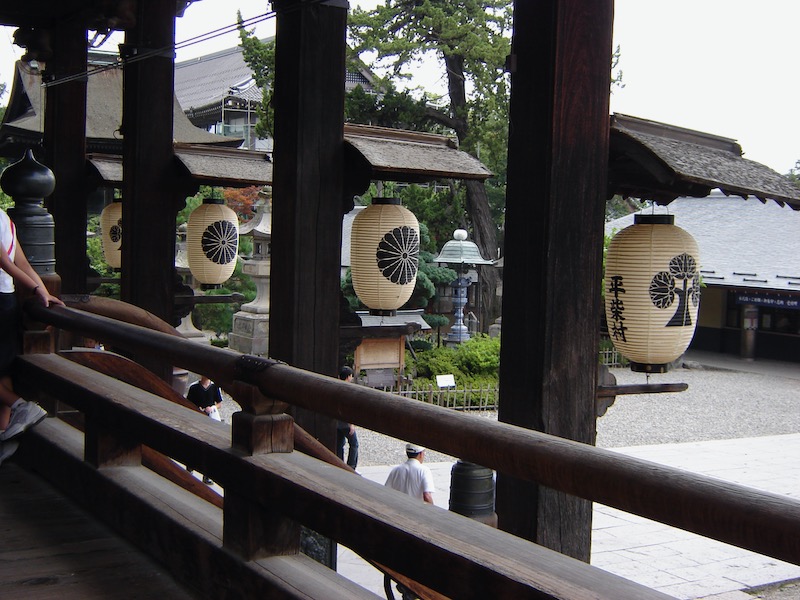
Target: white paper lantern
[652,291]
[111,229]
[384,252]
[212,242]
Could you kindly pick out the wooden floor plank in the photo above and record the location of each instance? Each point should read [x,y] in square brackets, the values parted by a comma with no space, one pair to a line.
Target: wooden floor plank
[51,549]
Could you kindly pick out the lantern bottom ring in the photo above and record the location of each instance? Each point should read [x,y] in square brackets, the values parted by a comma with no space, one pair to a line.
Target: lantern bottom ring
[648,368]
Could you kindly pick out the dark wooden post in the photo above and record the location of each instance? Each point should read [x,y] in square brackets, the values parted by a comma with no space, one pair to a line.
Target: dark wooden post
[65,151]
[558,156]
[307,192]
[148,253]
[148,203]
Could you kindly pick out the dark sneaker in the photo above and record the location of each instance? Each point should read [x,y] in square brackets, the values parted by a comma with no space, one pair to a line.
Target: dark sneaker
[23,417]
[7,449]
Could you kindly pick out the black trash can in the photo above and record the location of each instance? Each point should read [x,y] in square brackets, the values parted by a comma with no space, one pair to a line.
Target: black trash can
[472,492]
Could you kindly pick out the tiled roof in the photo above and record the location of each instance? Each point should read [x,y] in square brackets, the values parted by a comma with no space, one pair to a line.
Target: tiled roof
[207,79]
[743,243]
[103,109]
[661,162]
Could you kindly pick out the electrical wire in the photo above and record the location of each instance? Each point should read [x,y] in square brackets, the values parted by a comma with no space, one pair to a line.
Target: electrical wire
[203,37]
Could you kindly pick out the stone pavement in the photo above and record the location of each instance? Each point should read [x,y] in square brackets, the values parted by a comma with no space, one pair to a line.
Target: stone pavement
[675,562]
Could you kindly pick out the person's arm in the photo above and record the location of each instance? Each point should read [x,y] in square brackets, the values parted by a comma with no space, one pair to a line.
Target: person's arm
[427,484]
[22,272]
[20,277]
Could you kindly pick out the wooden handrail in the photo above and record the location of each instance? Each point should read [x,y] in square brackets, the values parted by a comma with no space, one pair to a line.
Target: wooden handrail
[758,521]
[424,542]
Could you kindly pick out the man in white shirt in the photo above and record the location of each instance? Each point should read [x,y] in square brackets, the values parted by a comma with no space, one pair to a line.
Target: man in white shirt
[412,477]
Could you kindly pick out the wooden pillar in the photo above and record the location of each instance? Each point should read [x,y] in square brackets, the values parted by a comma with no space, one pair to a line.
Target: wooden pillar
[65,151]
[557,164]
[307,192]
[148,208]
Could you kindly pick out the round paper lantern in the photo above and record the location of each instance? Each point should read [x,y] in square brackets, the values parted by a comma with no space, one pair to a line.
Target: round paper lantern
[652,291]
[384,251]
[212,242]
[111,228]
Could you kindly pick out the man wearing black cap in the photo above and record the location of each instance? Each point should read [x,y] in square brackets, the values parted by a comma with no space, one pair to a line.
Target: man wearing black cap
[412,477]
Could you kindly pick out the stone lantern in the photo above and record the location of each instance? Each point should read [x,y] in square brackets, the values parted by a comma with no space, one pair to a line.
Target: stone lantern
[250,333]
[460,252]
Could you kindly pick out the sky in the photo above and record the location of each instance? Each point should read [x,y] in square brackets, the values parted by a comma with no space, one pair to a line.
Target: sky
[726,67]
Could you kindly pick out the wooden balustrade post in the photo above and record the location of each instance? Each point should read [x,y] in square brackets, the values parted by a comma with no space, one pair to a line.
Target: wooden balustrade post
[250,528]
[102,448]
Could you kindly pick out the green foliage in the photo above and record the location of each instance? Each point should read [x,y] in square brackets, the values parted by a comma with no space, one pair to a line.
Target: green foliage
[475,361]
[437,361]
[404,33]
[436,320]
[440,208]
[794,174]
[390,108]
[616,78]
[218,317]
[192,202]
[480,355]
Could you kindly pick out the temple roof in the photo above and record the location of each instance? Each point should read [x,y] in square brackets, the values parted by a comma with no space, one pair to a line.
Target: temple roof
[661,162]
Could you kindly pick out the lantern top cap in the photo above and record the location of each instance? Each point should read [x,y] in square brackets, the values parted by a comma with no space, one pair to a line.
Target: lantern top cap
[653,219]
[210,200]
[459,250]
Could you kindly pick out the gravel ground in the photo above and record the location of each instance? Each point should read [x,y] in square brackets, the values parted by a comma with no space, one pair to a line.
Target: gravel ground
[719,404]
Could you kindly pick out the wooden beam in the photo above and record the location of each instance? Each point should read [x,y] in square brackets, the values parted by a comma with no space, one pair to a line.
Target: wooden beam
[557,162]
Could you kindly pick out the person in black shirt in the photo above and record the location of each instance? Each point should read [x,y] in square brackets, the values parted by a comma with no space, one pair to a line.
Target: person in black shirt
[205,394]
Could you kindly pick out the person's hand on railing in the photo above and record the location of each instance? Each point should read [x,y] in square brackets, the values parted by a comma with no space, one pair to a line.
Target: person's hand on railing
[45,297]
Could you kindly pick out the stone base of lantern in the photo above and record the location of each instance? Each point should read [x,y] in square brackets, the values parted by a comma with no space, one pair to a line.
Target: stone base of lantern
[189,331]
[250,333]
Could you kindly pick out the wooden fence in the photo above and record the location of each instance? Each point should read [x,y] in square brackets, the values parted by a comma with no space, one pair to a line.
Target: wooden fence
[483,397]
[460,398]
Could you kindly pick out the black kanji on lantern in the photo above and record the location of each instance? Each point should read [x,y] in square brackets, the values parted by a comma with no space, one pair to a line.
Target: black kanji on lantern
[617,309]
[115,233]
[664,289]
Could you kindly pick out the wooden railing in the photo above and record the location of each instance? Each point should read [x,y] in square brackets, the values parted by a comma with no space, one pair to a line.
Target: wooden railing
[269,489]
